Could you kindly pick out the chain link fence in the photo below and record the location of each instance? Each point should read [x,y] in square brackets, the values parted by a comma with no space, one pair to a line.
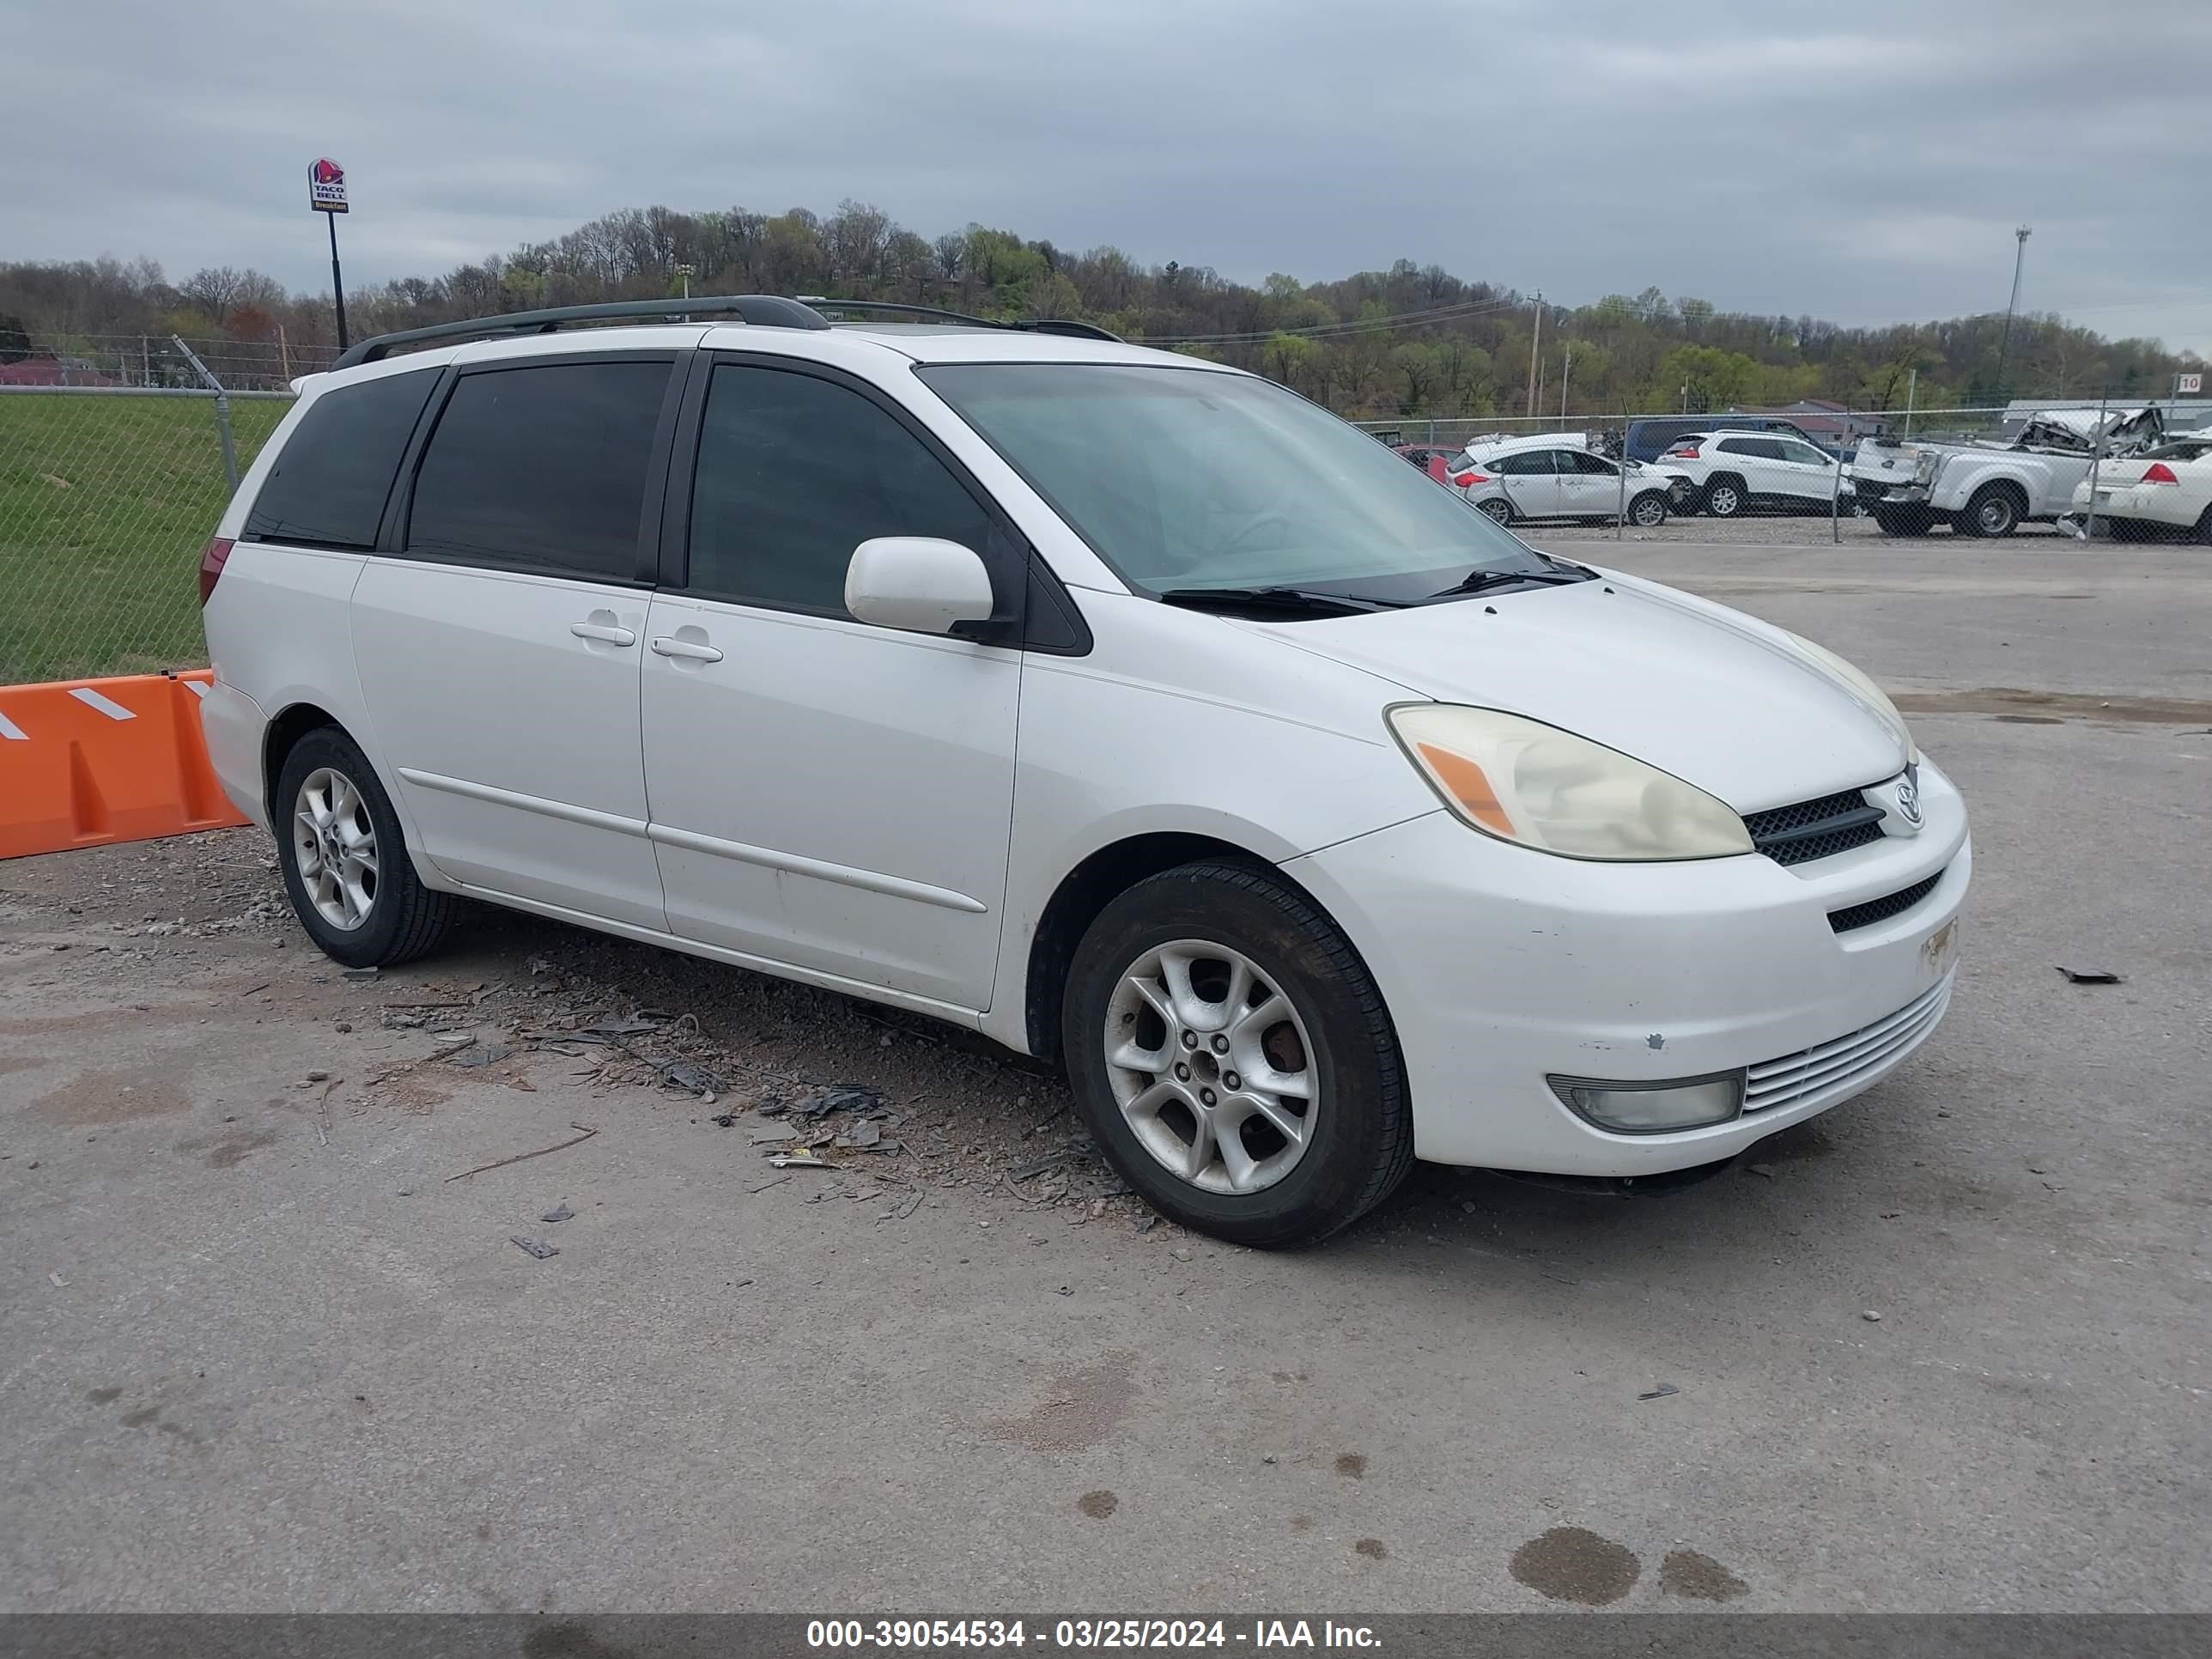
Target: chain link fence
[108,493]
[107,497]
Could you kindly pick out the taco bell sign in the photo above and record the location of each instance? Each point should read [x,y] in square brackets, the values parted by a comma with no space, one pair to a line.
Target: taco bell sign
[326,192]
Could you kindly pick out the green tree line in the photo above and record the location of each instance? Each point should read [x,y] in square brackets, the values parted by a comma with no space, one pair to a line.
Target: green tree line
[1411,341]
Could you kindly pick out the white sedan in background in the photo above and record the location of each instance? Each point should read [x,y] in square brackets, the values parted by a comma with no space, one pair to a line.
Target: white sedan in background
[1545,478]
[1733,471]
[2166,493]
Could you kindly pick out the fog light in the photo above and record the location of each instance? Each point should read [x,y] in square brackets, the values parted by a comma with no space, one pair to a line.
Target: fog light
[1651,1109]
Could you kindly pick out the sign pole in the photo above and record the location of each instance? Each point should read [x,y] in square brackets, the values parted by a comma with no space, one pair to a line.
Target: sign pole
[326,195]
[337,283]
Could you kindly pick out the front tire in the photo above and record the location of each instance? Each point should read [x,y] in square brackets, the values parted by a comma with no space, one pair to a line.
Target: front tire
[1649,510]
[345,862]
[1233,1057]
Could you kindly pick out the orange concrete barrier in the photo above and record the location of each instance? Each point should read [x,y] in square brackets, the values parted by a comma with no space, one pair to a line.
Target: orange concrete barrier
[86,762]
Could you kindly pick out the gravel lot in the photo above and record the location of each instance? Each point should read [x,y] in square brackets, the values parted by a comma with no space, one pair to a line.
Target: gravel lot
[270,1343]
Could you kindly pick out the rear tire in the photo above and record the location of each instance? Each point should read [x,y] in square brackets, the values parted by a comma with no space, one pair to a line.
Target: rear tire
[1903,521]
[1192,997]
[1499,509]
[2203,534]
[1725,497]
[344,860]
[1995,512]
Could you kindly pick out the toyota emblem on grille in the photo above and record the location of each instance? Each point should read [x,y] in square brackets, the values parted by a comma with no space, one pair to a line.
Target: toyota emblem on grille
[1908,796]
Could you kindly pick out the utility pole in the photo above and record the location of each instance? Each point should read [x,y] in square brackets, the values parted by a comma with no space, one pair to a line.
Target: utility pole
[2004,345]
[1535,341]
[1566,368]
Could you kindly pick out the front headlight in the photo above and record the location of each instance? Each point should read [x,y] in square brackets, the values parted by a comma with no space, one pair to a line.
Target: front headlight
[1867,692]
[1523,781]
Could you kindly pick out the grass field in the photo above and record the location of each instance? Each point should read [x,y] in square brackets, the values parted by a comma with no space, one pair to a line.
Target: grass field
[106,503]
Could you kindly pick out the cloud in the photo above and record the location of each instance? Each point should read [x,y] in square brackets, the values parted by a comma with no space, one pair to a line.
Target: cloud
[1768,158]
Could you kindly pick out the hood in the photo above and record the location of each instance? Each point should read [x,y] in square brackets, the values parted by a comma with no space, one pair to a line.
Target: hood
[1719,699]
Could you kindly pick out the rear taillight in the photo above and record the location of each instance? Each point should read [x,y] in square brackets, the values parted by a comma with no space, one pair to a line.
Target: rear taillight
[2158,472]
[211,564]
[1465,480]
[1687,452]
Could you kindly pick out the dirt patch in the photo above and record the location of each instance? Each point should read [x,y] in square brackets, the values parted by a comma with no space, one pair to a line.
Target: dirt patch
[1351,1465]
[1084,1408]
[95,1098]
[1098,1504]
[1573,1563]
[2004,699]
[97,1019]
[228,1152]
[24,1065]
[1699,1577]
[1372,1548]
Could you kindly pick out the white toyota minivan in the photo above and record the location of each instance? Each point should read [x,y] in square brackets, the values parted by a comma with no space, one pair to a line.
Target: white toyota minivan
[1128,709]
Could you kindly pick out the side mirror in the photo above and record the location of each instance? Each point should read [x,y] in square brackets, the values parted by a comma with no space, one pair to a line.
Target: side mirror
[917,583]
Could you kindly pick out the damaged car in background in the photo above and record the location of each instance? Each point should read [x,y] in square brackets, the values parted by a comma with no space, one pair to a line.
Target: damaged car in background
[1987,489]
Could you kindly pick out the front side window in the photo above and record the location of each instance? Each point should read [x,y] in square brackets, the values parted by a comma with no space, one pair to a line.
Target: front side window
[796,471]
[1528,463]
[1803,454]
[1587,462]
[542,468]
[1190,479]
[330,481]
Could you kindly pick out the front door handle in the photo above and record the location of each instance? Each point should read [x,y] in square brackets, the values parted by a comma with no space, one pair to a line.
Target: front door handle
[605,633]
[689,650]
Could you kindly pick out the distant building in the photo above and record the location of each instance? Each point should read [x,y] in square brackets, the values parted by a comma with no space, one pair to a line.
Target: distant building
[52,371]
[1831,423]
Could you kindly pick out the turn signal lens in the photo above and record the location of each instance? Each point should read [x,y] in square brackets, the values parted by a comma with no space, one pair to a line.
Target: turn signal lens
[1535,784]
[1653,1108]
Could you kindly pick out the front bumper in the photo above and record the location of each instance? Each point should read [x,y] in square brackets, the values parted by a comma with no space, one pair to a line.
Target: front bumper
[1503,968]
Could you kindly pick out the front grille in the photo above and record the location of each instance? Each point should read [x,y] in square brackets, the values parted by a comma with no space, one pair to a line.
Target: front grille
[1882,909]
[1815,828]
[1832,1069]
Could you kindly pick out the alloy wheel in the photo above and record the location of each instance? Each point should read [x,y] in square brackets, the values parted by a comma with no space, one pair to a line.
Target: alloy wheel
[1212,1066]
[334,843]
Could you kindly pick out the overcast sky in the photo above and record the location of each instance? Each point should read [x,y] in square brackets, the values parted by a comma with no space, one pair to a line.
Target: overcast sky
[1859,159]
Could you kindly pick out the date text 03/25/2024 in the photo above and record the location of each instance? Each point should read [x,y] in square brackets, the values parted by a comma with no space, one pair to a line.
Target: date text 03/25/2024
[1260,1635]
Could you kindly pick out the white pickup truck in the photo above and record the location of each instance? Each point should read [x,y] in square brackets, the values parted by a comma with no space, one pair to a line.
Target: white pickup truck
[1987,489]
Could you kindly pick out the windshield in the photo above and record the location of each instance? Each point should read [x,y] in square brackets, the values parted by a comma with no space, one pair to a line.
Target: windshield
[1186,478]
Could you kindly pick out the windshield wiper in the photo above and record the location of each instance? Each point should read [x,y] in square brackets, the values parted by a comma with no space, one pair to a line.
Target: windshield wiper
[1307,599]
[1481,581]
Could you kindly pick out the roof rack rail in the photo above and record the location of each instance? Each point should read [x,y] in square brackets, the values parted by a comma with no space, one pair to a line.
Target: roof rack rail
[1067,325]
[761,310]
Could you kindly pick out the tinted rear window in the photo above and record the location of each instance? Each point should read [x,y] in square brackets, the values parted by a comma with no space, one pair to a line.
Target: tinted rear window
[331,479]
[542,468]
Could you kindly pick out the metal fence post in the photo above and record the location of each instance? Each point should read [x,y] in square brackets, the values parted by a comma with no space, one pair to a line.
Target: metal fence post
[222,413]
[1836,486]
[1621,512]
[2096,455]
